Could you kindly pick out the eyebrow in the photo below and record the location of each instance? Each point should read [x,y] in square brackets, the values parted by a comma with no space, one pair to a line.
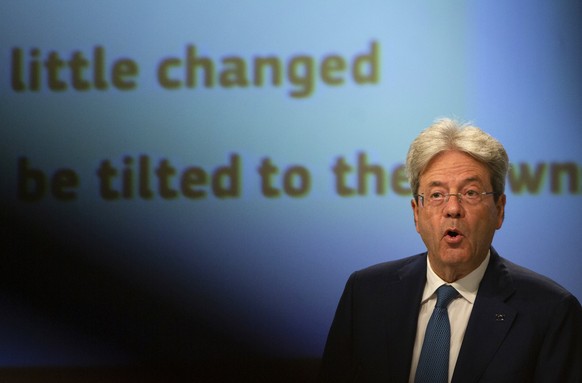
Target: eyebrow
[465,181]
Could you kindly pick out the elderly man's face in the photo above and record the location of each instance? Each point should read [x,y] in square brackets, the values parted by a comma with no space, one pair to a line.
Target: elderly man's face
[456,234]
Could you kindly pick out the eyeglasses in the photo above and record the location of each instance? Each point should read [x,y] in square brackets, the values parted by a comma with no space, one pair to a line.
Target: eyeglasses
[434,199]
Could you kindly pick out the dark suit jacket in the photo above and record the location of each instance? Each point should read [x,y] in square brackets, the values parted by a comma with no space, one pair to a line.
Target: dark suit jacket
[523,327]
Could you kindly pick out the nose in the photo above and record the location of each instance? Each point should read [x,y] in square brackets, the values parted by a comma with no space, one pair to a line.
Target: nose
[453,208]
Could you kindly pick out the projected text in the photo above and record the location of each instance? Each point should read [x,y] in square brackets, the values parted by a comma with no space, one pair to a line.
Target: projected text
[35,70]
[142,177]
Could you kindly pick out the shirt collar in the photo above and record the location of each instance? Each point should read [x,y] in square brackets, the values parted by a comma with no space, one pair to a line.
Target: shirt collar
[466,286]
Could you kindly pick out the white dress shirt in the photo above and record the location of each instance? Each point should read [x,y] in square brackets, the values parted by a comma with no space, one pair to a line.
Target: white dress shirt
[459,311]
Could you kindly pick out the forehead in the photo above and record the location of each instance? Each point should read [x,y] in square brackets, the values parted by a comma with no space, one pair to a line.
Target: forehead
[454,167]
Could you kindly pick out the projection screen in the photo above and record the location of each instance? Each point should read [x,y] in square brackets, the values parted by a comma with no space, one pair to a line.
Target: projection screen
[189,181]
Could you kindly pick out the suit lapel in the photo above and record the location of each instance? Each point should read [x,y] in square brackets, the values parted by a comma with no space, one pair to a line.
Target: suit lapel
[402,317]
[489,323]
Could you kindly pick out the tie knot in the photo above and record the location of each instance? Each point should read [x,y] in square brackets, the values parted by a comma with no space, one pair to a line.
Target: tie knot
[445,294]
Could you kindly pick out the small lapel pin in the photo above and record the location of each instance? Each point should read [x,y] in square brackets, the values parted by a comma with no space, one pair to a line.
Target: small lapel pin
[499,317]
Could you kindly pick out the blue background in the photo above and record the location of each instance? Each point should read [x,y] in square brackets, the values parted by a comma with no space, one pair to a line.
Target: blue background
[96,282]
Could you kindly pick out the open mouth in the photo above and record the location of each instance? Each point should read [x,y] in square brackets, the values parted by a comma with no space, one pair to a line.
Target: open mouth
[453,234]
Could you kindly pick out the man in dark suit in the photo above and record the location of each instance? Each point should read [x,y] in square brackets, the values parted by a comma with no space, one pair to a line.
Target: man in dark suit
[458,312]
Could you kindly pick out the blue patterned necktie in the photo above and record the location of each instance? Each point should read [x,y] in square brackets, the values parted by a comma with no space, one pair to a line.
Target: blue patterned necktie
[433,365]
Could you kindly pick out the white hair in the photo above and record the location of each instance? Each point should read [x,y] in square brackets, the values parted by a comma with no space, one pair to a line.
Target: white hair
[447,134]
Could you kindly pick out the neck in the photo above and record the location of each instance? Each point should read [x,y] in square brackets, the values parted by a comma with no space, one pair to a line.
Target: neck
[451,273]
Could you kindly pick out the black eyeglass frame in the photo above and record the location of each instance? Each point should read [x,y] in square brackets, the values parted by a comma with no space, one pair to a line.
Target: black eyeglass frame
[447,196]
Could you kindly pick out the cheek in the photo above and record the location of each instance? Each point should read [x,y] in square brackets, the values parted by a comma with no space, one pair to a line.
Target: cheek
[417,224]
[486,226]
[424,226]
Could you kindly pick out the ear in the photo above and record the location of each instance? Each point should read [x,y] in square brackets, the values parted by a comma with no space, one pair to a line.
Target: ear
[500,206]
[415,207]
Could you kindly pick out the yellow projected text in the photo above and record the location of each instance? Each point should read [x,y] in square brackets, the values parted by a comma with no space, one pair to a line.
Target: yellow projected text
[302,72]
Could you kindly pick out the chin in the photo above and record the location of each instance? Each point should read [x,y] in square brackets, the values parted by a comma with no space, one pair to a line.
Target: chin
[456,257]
